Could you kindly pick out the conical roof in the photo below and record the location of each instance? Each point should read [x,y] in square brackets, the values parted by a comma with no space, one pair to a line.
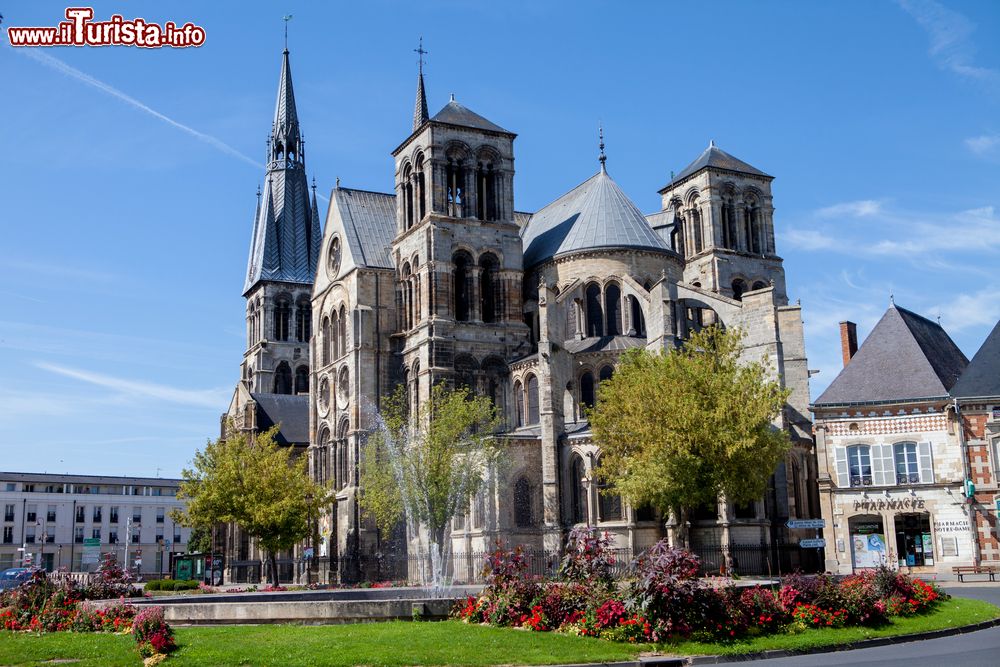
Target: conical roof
[286,119]
[420,113]
[982,376]
[595,214]
[906,357]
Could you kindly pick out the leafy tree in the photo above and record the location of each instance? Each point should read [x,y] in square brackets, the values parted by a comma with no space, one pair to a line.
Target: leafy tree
[200,540]
[677,429]
[256,484]
[427,466]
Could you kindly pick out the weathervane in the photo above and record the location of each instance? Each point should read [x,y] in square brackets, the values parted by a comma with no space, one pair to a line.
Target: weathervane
[420,54]
[286,18]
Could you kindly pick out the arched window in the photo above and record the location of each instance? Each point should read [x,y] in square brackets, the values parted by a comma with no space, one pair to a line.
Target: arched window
[324,455]
[489,288]
[462,283]
[342,331]
[486,198]
[859,461]
[613,308]
[759,285]
[465,372]
[606,373]
[595,316]
[696,229]
[522,503]
[609,505]
[677,232]
[303,320]
[420,194]
[343,474]
[638,319]
[415,386]
[406,297]
[495,372]
[302,380]
[531,386]
[282,315]
[325,341]
[455,184]
[518,404]
[408,196]
[335,335]
[752,224]
[578,490]
[283,379]
[587,389]
[729,225]
[739,287]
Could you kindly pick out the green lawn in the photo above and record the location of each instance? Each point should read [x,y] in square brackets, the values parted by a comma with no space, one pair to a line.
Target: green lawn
[406,643]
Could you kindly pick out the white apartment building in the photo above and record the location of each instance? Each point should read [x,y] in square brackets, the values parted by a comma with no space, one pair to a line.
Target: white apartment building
[67,522]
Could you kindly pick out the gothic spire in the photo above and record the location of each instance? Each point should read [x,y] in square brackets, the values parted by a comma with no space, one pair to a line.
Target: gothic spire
[285,136]
[420,113]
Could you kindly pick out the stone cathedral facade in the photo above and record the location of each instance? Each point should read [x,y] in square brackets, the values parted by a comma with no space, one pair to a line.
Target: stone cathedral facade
[443,279]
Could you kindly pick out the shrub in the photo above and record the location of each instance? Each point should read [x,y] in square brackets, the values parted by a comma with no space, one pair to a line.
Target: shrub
[111,581]
[666,592]
[860,596]
[509,591]
[560,601]
[763,610]
[114,618]
[587,559]
[154,585]
[151,633]
[817,617]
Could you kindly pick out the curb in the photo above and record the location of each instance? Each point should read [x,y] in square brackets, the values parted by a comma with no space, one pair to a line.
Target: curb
[677,661]
[833,648]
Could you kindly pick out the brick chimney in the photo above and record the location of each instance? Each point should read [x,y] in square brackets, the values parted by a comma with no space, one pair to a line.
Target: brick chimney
[848,340]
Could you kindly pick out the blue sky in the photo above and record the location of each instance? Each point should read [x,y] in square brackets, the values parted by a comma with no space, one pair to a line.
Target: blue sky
[125,228]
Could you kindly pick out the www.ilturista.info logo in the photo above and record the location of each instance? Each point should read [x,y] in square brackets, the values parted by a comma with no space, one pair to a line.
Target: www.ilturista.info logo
[80,30]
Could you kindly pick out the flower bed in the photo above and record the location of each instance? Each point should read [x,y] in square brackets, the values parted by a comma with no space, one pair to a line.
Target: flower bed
[42,605]
[665,601]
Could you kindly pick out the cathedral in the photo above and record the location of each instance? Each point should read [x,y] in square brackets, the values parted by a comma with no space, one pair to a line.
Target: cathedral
[444,280]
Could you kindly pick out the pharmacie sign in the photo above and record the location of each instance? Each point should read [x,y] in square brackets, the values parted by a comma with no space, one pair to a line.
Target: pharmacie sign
[872,505]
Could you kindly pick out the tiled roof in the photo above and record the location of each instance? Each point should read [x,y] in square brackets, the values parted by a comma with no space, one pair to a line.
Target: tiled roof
[454,113]
[594,214]
[715,157]
[905,357]
[982,376]
[292,412]
[370,224]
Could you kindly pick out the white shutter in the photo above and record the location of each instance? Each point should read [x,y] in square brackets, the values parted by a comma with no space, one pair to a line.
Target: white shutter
[883,466]
[925,462]
[843,479]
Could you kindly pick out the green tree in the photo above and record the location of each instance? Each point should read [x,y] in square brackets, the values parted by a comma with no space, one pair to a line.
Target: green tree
[429,464]
[257,484]
[679,428]
[200,540]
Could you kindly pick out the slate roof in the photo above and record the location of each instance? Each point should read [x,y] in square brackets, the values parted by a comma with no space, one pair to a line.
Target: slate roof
[454,113]
[715,157]
[292,412]
[370,224]
[420,114]
[284,246]
[906,357]
[603,344]
[982,376]
[594,214]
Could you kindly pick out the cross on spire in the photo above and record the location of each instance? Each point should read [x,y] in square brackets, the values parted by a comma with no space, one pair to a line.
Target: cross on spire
[420,54]
[603,158]
[286,18]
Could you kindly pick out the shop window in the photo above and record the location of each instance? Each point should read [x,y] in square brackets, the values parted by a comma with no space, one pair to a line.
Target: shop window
[914,547]
[867,541]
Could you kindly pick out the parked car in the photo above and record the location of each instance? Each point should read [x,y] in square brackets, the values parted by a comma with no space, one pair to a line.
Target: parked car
[14,577]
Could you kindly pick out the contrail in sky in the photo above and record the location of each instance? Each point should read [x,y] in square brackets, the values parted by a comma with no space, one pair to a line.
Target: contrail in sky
[60,66]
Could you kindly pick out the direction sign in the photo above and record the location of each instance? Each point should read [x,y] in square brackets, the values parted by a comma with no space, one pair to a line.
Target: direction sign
[806,523]
[818,543]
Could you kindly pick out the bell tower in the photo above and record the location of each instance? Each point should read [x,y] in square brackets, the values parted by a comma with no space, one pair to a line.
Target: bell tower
[457,250]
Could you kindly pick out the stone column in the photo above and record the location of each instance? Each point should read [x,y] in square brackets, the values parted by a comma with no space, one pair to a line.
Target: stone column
[551,423]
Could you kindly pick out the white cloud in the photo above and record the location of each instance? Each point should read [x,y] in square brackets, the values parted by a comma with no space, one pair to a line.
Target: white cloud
[950,35]
[853,209]
[808,239]
[961,311]
[201,398]
[984,144]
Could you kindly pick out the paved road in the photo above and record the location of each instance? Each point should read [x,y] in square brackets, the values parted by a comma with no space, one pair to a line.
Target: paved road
[975,649]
